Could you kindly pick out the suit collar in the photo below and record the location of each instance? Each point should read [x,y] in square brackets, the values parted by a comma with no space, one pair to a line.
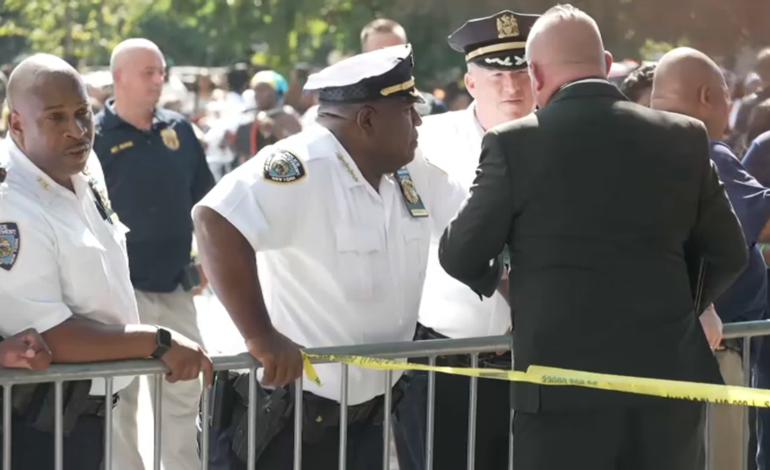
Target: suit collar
[587,87]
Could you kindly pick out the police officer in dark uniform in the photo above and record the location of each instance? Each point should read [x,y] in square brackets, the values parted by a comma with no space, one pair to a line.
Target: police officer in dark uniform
[156,170]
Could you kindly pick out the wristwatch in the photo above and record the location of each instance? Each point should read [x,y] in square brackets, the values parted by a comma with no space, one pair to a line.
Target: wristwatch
[162,343]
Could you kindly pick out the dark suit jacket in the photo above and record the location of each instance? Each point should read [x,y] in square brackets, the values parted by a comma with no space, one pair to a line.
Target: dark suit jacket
[607,208]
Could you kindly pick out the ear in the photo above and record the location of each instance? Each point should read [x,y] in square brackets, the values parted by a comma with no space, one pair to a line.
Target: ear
[607,62]
[14,124]
[535,76]
[470,84]
[365,119]
[704,96]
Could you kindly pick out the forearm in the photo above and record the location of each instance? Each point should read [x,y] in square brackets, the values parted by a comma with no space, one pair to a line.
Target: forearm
[81,340]
[231,268]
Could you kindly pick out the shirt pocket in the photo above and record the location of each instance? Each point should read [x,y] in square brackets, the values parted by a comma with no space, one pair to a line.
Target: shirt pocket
[416,243]
[85,282]
[357,253]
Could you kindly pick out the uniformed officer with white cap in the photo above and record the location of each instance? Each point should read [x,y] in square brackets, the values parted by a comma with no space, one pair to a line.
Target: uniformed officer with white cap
[64,268]
[498,80]
[341,216]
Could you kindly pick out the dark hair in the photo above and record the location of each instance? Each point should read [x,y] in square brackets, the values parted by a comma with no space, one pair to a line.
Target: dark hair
[638,81]
[759,121]
[238,77]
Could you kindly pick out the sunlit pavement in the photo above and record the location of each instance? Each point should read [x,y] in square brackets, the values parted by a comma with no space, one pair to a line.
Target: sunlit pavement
[220,337]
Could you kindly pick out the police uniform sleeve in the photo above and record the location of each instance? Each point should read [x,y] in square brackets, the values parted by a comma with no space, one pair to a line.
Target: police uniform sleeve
[30,285]
[716,237]
[471,246]
[264,198]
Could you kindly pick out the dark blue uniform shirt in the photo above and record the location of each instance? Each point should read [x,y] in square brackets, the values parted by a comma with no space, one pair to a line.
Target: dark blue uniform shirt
[746,299]
[154,178]
[757,159]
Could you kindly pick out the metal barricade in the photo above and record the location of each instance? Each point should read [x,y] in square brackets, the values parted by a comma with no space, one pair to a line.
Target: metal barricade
[431,349]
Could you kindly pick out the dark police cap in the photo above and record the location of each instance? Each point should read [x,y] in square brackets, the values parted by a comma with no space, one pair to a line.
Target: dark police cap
[371,76]
[495,42]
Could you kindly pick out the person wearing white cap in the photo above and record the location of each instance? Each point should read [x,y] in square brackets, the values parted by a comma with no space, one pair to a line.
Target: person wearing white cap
[339,219]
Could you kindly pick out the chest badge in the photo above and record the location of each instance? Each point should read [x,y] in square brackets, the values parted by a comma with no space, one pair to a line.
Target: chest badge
[10,242]
[411,197]
[170,138]
[283,167]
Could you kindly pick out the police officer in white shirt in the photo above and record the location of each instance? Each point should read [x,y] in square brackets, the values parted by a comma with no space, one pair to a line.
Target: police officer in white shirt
[63,267]
[341,217]
[498,80]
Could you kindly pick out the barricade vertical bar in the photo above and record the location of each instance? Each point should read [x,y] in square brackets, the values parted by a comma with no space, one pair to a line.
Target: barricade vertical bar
[343,462]
[746,383]
[387,408]
[157,411]
[430,416]
[709,434]
[472,415]
[251,460]
[205,427]
[298,415]
[108,392]
[58,425]
[510,443]
[7,410]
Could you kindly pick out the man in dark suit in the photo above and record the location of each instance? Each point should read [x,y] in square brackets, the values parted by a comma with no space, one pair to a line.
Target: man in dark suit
[608,210]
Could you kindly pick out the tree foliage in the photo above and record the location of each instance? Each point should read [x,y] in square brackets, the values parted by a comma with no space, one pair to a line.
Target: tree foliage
[281,33]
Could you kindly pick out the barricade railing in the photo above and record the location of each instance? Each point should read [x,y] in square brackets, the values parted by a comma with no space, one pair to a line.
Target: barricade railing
[60,373]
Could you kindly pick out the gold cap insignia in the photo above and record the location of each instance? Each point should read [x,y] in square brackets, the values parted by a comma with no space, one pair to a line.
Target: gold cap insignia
[170,138]
[507,26]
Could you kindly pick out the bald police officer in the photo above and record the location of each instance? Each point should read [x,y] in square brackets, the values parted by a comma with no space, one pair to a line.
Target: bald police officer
[497,79]
[340,216]
[64,268]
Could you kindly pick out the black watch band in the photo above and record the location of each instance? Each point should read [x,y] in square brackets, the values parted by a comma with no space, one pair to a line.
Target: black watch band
[162,343]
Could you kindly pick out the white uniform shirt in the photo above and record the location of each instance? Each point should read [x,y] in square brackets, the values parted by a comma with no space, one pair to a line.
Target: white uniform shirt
[344,264]
[69,260]
[453,141]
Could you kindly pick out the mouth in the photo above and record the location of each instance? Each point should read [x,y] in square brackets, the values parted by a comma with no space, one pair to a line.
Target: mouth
[79,149]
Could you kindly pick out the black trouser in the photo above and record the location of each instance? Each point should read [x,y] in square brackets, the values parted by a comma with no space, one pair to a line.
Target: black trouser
[364,450]
[32,449]
[668,436]
[493,423]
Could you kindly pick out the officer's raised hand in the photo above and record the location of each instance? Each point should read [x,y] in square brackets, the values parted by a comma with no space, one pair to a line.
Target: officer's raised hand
[186,359]
[280,358]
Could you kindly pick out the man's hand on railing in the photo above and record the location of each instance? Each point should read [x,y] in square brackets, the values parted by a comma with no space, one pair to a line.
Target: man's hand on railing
[187,360]
[26,350]
[712,327]
[280,357]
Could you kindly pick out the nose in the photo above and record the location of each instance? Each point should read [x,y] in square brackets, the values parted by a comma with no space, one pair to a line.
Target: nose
[77,129]
[416,118]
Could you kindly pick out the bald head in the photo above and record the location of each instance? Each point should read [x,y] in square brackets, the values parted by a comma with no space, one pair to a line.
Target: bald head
[129,48]
[138,73]
[688,82]
[50,116]
[37,71]
[565,45]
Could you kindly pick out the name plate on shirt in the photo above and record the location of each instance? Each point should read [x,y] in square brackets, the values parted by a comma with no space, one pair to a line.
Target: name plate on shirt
[409,192]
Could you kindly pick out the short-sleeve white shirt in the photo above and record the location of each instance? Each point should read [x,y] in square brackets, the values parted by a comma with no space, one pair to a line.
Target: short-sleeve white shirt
[69,260]
[453,141]
[345,264]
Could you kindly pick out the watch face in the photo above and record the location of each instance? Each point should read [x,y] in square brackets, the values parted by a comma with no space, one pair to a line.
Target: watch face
[164,338]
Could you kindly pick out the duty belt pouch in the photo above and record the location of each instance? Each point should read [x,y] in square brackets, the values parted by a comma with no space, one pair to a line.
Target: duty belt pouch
[42,410]
[273,409]
[222,400]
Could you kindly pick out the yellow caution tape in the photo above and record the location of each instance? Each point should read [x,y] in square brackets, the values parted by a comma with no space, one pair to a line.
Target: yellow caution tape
[723,394]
